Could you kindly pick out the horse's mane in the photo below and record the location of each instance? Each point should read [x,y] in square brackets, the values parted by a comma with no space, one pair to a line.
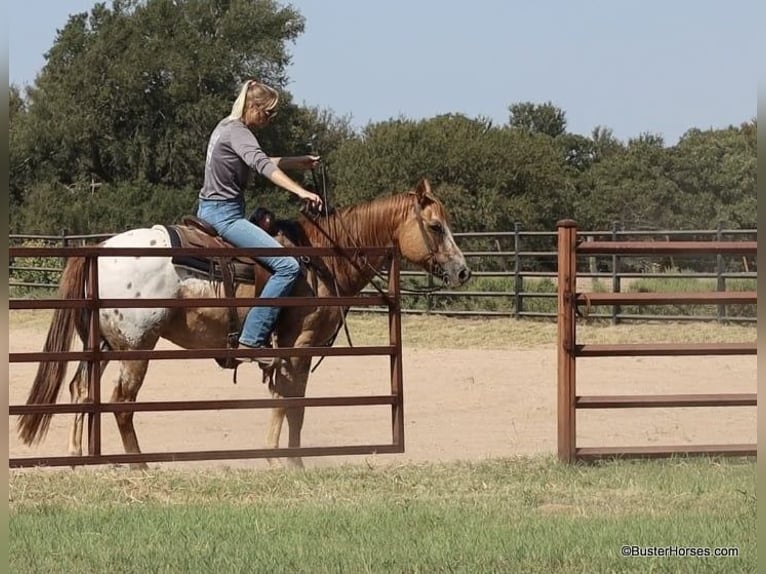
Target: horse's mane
[370,223]
[366,224]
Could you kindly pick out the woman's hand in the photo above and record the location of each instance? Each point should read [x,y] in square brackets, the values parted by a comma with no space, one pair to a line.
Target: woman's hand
[313,200]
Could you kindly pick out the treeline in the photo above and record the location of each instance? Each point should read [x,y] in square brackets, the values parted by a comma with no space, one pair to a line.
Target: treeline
[112,135]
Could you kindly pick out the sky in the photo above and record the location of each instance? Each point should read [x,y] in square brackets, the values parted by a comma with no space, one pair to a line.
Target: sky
[655,66]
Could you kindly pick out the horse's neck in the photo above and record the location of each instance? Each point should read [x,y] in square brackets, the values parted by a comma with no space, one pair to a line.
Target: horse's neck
[368,225]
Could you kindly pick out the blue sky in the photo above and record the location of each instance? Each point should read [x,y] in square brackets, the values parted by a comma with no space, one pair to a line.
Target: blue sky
[655,66]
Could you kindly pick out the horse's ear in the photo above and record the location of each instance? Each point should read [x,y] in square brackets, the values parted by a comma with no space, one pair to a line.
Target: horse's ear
[424,193]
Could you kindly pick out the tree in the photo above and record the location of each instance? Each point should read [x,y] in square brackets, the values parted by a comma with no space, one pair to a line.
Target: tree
[538,118]
[18,164]
[132,92]
[491,176]
[715,171]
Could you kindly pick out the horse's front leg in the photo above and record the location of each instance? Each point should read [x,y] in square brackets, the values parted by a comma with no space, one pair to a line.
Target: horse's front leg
[274,430]
[294,427]
[290,381]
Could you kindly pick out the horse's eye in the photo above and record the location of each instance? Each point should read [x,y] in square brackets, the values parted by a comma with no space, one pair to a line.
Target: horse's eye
[436,226]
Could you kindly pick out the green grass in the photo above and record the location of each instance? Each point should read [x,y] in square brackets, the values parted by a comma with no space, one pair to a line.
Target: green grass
[512,515]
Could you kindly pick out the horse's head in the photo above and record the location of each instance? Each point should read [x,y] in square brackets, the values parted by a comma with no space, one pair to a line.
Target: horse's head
[425,239]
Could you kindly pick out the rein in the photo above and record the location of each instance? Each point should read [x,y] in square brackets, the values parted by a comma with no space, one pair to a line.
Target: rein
[376,272]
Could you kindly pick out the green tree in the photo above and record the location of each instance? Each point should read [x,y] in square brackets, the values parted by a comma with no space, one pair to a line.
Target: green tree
[538,118]
[490,176]
[715,171]
[132,91]
[633,186]
[19,175]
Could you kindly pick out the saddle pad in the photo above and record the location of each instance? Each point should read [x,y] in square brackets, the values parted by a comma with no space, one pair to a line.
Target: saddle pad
[243,269]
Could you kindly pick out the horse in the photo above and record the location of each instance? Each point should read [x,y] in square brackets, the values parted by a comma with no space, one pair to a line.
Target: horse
[416,220]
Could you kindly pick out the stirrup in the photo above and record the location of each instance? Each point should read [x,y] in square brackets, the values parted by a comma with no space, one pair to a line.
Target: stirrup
[230,362]
[265,363]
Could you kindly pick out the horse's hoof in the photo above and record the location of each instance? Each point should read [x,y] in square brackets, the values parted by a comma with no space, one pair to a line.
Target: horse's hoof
[294,463]
[138,466]
[290,463]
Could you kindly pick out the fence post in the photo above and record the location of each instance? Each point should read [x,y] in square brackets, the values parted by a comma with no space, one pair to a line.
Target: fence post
[567,283]
[395,340]
[720,279]
[94,363]
[518,280]
[429,294]
[615,274]
[64,243]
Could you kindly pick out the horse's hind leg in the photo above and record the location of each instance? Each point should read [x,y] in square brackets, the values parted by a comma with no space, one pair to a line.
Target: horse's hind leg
[80,393]
[131,378]
[78,390]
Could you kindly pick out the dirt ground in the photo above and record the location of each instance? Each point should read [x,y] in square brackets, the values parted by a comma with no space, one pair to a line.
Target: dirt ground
[459,404]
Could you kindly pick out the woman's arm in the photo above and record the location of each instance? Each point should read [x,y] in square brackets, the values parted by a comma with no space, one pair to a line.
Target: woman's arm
[280,178]
[297,162]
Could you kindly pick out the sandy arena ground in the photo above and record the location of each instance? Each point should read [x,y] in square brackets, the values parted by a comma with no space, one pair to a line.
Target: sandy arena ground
[458,405]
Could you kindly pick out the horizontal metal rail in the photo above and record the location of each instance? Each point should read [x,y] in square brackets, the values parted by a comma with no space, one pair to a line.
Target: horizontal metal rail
[647,401]
[205,455]
[668,298]
[665,349]
[286,352]
[667,248]
[658,451]
[141,303]
[100,251]
[212,405]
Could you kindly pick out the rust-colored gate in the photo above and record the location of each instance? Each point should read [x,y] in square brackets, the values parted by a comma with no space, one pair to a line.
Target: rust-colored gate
[569,248]
[93,355]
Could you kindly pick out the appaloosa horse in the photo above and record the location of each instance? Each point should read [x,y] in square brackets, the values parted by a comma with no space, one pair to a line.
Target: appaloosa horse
[416,220]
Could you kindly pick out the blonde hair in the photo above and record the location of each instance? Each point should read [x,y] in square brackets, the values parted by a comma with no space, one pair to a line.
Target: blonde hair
[254,94]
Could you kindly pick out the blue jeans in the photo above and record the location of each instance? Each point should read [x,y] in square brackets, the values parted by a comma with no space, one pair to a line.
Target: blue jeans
[228,218]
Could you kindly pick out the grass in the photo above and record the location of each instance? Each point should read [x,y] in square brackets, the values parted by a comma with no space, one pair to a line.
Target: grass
[510,515]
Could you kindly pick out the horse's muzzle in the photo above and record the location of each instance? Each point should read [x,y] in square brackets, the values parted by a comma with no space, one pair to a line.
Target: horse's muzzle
[456,277]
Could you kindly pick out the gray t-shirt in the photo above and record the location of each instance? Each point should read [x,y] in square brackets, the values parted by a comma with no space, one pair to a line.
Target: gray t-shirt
[232,152]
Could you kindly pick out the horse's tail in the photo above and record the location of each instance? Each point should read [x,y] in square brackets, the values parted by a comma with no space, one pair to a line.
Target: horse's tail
[32,427]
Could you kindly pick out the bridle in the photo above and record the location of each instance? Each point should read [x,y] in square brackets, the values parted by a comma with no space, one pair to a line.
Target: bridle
[434,267]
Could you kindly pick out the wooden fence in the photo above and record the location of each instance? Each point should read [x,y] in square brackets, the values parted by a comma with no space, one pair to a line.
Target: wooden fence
[93,356]
[570,301]
[522,268]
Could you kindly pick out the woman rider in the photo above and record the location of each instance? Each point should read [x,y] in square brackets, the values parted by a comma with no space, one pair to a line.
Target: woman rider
[232,152]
